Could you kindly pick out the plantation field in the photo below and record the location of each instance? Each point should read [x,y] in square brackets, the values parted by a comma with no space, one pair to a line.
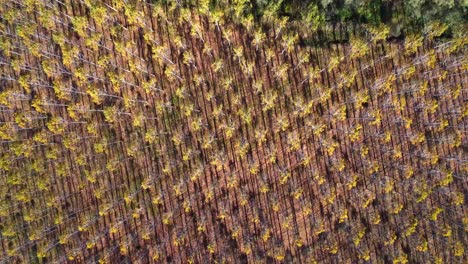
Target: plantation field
[156,133]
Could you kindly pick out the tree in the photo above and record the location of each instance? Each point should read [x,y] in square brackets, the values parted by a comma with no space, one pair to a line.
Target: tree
[99,14]
[238,53]
[217,17]
[312,16]
[56,125]
[68,54]
[258,38]
[268,100]
[111,114]
[359,48]
[289,41]
[188,58]
[80,24]
[217,66]
[160,53]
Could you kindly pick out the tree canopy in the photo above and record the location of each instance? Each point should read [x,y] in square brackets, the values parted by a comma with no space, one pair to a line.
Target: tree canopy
[401,16]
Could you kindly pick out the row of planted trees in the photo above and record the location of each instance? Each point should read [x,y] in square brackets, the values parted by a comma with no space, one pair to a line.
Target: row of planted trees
[138,131]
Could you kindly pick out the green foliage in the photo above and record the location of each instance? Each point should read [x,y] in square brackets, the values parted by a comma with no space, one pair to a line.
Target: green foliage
[406,16]
[312,16]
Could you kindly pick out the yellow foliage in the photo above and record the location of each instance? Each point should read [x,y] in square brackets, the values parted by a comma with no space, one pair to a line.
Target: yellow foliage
[391,240]
[411,229]
[458,249]
[365,255]
[344,216]
[359,236]
[297,193]
[458,199]
[447,179]
[447,231]
[284,177]
[400,260]
[423,246]
[436,212]
[355,135]
[266,235]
